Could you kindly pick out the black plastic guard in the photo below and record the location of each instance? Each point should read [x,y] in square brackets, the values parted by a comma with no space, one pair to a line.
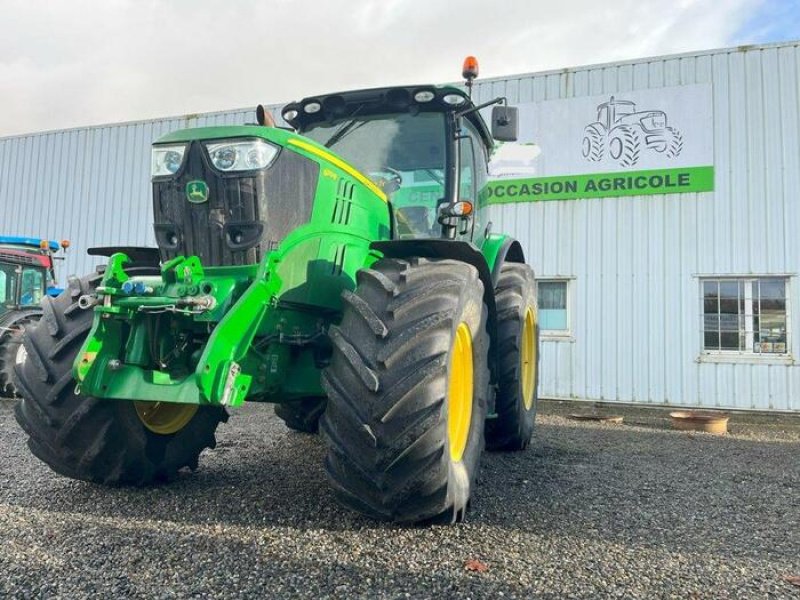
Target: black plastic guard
[140,255]
[510,251]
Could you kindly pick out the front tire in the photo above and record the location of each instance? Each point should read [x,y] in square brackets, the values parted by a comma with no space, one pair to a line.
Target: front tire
[518,349]
[674,143]
[102,441]
[407,388]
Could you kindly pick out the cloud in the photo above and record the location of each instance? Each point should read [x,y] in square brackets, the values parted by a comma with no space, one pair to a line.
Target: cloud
[66,64]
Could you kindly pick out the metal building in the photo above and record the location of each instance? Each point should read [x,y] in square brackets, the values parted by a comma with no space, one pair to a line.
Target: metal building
[660,210]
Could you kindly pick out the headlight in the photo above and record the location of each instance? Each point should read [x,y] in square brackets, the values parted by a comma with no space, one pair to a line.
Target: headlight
[454,99]
[241,156]
[167,159]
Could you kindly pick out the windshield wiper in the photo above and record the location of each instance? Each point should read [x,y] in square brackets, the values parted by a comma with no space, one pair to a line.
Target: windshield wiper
[344,128]
[348,130]
[438,178]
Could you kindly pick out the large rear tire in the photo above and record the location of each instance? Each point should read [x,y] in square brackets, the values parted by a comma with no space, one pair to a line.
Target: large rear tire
[624,145]
[12,327]
[518,349]
[302,415]
[103,441]
[407,388]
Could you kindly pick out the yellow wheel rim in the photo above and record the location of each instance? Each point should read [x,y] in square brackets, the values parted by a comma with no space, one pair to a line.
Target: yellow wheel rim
[527,358]
[165,418]
[459,392]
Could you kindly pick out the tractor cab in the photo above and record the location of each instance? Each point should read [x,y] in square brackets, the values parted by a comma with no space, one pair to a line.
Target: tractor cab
[26,271]
[612,111]
[426,147]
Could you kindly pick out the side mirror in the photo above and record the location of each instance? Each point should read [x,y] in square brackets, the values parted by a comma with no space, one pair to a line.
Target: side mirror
[505,123]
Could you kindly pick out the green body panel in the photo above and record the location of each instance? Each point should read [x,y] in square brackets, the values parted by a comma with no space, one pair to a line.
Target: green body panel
[218,335]
[490,247]
[280,136]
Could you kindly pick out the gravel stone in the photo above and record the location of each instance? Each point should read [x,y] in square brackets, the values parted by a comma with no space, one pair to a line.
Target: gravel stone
[591,510]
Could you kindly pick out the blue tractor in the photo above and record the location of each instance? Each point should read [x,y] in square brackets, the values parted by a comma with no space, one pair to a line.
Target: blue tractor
[26,276]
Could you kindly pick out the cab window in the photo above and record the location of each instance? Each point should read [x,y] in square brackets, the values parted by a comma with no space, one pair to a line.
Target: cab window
[466,181]
[31,287]
[8,290]
[403,153]
[480,172]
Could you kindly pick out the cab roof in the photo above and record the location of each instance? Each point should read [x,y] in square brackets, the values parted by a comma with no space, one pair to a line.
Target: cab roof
[27,242]
[377,101]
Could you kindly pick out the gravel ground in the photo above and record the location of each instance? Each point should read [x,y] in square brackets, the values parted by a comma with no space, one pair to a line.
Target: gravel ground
[591,510]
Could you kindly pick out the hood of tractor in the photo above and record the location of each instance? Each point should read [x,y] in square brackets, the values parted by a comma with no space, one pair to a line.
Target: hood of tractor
[229,194]
[260,231]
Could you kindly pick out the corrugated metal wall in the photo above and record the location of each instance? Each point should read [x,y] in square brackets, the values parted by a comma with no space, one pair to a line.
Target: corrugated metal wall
[634,261]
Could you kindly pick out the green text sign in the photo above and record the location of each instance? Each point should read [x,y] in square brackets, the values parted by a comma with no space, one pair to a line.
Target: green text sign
[603,185]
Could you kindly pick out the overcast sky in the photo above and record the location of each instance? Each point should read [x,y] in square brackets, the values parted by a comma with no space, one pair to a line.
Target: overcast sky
[78,62]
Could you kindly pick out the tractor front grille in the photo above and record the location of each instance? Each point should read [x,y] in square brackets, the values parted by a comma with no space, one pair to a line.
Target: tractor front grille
[245,216]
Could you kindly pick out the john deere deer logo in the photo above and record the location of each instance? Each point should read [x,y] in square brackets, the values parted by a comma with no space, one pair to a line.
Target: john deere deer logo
[621,131]
[197,191]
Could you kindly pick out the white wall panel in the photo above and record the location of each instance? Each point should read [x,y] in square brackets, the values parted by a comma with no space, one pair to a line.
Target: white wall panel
[635,260]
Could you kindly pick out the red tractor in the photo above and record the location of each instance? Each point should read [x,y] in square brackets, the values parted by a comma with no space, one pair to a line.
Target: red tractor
[26,276]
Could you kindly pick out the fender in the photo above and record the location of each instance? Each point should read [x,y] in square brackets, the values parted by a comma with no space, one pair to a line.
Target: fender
[456,250]
[139,255]
[499,249]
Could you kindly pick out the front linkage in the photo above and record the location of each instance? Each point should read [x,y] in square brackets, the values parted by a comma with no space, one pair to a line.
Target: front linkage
[185,336]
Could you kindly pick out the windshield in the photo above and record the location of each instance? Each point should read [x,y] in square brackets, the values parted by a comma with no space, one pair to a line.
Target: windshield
[403,153]
[625,108]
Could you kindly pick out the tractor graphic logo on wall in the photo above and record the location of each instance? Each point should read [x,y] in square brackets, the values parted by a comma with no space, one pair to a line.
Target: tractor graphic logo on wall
[621,133]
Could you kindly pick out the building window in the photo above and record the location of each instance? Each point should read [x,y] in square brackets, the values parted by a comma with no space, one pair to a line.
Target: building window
[746,315]
[553,306]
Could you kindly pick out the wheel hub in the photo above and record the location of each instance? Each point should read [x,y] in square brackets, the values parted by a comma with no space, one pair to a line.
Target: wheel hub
[459,392]
[164,418]
[528,358]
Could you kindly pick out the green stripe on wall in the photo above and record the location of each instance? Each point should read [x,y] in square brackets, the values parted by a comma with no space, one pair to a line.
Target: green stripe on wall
[602,185]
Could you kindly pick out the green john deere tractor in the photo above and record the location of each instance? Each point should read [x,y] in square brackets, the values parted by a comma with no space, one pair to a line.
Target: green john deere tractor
[304,268]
